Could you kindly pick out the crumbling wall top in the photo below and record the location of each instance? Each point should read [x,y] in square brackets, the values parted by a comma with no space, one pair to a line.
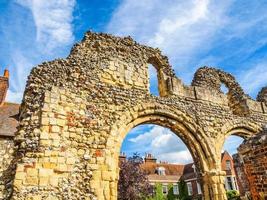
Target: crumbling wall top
[262,95]
[125,48]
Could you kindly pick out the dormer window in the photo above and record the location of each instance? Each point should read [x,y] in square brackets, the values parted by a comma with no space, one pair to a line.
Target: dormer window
[161,171]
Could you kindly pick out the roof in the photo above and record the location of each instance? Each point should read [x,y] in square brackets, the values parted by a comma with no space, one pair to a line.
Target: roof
[164,179]
[189,172]
[9,118]
[173,172]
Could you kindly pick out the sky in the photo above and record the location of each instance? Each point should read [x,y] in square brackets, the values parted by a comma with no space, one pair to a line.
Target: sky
[230,35]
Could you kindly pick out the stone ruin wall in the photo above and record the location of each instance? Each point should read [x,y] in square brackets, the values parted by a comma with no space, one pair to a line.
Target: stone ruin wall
[6,170]
[77,111]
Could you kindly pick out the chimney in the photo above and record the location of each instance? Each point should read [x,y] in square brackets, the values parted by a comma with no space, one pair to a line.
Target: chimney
[122,157]
[150,159]
[3,86]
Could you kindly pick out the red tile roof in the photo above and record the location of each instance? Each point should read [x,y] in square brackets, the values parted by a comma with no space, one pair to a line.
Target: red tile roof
[8,118]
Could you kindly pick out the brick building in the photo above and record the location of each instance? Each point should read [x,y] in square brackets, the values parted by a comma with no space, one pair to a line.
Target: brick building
[228,166]
[171,174]
[242,180]
[253,153]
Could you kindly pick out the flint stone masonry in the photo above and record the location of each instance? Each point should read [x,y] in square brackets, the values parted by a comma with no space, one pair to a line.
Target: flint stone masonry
[77,111]
[6,169]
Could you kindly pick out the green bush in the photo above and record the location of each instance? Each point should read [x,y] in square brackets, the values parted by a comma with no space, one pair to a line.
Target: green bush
[232,195]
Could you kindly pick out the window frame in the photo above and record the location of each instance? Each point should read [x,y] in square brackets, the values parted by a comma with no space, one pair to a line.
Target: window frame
[228,165]
[190,191]
[163,188]
[176,189]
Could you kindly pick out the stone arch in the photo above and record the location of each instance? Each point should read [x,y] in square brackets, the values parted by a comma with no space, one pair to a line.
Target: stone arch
[179,122]
[239,128]
[213,78]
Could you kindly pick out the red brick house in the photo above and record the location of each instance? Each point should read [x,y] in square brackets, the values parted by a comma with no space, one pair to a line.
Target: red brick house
[166,174]
[228,167]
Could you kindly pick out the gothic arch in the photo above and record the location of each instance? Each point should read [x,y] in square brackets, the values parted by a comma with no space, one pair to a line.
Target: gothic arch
[241,128]
[180,123]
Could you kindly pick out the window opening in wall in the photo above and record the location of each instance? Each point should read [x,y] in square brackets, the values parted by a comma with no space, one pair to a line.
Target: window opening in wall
[153,80]
[224,88]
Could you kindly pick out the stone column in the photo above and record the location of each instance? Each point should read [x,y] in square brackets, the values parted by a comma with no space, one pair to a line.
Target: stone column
[213,185]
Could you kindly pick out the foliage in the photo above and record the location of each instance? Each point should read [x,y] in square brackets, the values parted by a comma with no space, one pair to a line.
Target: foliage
[183,192]
[171,195]
[133,183]
[232,195]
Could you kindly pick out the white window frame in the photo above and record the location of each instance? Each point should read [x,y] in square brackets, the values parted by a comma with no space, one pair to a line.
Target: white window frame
[161,171]
[175,189]
[199,188]
[189,188]
[165,187]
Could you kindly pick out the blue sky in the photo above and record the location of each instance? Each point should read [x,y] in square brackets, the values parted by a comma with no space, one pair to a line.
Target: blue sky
[229,34]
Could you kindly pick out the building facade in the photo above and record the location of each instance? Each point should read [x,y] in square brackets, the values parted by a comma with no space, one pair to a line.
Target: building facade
[171,174]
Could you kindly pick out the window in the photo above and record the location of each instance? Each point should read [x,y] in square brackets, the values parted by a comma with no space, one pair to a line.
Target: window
[189,188]
[164,189]
[175,189]
[161,171]
[199,188]
[228,165]
[229,183]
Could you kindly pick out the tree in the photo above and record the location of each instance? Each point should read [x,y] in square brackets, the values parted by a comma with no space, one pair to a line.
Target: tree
[183,192]
[133,183]
[170,195]
[158,192]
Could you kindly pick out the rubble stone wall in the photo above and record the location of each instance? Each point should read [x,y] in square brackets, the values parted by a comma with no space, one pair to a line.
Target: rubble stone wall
[6,157]
[77,111]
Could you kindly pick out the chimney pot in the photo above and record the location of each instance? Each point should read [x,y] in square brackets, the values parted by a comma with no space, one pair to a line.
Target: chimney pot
[6,73]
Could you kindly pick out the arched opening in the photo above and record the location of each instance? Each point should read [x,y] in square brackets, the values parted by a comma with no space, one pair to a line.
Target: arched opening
[153,80]
[167,163]
[224,89]
[236,182]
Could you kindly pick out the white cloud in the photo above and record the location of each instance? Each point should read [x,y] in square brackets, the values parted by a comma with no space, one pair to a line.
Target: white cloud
[37,31]
[232,143]
[179,28]
[179,157]
[159,141]
[53,20]
[255,78]
[194,33]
